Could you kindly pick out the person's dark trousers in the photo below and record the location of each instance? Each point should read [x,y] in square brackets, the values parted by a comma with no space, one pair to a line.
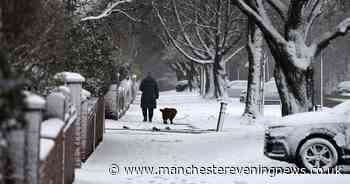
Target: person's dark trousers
[150,113]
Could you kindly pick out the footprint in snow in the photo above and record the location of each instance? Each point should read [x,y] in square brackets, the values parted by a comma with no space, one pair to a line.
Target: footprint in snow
[240,182]
[155,129]
[160,177]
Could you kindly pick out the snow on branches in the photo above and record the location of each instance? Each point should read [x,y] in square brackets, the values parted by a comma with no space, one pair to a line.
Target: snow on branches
[112,8]
[205,32]
[298,17]
[327,37]
[292,48]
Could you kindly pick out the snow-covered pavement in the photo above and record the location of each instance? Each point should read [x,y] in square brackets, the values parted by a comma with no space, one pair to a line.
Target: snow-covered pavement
[191,142]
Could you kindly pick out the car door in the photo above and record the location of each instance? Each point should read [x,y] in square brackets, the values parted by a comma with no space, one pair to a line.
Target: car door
[347,129]
[347,134]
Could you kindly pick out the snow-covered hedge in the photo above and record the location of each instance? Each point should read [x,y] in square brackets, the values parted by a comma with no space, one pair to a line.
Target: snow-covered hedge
[119,97]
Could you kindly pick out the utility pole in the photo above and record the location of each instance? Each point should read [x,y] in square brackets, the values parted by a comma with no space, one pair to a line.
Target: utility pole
[262,84]
[322,55]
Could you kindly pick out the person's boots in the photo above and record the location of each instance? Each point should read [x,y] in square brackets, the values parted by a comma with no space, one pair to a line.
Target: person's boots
[150,115]
[144,113]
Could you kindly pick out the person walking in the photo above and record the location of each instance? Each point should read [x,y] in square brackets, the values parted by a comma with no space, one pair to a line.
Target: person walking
[150,94]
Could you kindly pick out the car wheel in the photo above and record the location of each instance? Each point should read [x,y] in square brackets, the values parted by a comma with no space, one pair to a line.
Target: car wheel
[318,153]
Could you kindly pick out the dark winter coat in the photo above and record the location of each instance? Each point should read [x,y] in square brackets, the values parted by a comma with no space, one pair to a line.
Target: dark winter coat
[150,93]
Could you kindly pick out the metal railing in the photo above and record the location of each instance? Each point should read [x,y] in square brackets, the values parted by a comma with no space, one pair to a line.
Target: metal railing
[62,131]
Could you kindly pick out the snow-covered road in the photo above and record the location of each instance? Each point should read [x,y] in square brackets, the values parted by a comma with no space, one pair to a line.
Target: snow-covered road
[190,142]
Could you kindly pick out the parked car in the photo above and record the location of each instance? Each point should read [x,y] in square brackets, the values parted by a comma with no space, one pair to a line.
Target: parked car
[235,88]
[311,140]
[166,83]
[340,94]
[343,87]
[271,95]
[181,85]
[243,96]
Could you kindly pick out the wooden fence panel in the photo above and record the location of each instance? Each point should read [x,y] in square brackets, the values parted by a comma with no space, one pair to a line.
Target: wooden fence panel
[100,121]
[69,148]
[90,132]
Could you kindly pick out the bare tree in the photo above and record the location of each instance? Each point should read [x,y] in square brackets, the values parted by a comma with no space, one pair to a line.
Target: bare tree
[254,94]
[184,68]
[205,32]
[292,50]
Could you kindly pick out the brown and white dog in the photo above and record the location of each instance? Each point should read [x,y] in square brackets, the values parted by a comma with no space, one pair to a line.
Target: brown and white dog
[168,113]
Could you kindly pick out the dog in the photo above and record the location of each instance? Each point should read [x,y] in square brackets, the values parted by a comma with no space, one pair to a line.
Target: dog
[168,113]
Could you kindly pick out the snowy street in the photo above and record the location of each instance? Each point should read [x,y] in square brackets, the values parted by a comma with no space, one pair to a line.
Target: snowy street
[174,91]
[191,141]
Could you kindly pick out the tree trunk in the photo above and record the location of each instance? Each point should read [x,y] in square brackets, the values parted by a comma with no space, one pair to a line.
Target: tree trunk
[209,86]
[220,79]
[253,99]
[215,81]
[190,76]
[294,89]
[2,157]
[294,83]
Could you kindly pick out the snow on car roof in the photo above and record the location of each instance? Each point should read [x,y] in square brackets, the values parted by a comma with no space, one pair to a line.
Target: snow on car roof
[342,108]
[333,115]
[238,82]
[344,84]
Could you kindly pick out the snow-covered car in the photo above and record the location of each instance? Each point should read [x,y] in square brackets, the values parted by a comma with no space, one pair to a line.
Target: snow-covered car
[243,96]
[181,85]
[311,140]
[271,95]
[343,87]
[235,88]
[340,94]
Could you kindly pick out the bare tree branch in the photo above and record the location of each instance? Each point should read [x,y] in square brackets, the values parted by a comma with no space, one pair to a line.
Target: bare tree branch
[201,40]
[265,27]
[185,35]
[233,54]
[127,15]
[262,11]
[176,44]
[314,12]
[280,7]
[327,37]
[111,9]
